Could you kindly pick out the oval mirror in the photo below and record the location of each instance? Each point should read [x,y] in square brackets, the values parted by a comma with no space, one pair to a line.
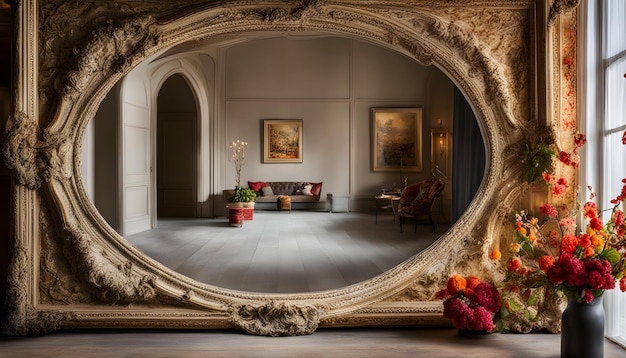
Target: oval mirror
[338,87]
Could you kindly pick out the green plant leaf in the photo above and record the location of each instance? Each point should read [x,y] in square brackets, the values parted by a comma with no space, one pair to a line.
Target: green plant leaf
[611,255]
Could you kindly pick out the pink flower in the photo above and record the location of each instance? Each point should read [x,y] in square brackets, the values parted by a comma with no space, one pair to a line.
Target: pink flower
[568,225]
[487,296]
[599,274]
[588,296]
[482,321]
[574,272]
[555,274]
[548,210]
[457,311]
[558,190]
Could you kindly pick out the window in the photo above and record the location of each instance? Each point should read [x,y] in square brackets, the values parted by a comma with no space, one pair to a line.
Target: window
[605,80]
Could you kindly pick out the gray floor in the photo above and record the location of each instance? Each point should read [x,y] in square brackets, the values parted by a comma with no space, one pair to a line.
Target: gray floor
[357,343]
[282,252]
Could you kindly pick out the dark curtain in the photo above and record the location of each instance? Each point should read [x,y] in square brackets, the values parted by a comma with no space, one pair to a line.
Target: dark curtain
[468,164]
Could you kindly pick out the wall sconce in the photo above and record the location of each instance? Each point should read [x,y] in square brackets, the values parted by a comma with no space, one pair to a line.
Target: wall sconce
[439,152]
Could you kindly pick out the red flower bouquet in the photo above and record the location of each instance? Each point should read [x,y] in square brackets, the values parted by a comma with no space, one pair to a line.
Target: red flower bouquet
[470,303]
[582,265]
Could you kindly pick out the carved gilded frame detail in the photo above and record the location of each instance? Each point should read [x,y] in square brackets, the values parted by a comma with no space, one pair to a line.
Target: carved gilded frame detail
[71,270]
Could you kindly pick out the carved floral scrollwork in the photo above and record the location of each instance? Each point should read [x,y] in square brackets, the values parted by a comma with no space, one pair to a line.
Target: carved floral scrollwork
[301,14]
[35,158]
[559,7]
[111,49]
[21,317]
[116,282]
[276,319]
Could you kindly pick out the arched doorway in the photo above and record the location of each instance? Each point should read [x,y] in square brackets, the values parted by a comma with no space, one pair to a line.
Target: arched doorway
[177,122]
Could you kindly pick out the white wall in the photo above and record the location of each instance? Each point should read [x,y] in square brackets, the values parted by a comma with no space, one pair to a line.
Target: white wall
[331,84]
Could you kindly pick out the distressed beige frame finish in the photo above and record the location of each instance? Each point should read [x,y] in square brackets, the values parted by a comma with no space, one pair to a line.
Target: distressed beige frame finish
[71,270]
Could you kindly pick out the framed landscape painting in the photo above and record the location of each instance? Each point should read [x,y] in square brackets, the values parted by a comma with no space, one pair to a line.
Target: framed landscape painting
[396,139]
[282,141]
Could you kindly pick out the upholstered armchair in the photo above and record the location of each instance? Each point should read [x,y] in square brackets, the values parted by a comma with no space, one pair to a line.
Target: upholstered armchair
[416,202]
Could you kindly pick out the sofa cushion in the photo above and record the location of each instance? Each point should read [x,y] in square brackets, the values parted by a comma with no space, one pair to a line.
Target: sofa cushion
[257,185]
[316,189]
[267,191]
[307,189]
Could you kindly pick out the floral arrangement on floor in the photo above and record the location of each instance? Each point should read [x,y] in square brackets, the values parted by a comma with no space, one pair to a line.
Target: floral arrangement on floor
[552,255]
[470,303]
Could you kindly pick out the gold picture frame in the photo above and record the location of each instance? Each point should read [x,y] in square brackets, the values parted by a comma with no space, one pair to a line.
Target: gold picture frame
[282,141]
[396,139]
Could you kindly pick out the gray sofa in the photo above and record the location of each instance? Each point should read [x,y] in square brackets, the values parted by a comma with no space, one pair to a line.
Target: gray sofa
[301,195]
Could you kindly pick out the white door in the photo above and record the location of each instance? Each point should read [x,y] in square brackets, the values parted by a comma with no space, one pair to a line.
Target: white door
[136,168]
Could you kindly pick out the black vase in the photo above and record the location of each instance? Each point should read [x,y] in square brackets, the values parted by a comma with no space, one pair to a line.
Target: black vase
[582,329]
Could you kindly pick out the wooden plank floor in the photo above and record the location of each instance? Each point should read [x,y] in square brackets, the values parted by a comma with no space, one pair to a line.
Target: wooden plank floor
[336,343]
[288,252]
[282,252]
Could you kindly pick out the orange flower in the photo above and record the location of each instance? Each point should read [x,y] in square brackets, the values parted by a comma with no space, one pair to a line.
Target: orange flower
[569,243]
[521,230]
[515,247]
[532,237]
[495,254]
[545,262]
[456,284]
[534,221]
[589,252]
[472,282]
[597,241]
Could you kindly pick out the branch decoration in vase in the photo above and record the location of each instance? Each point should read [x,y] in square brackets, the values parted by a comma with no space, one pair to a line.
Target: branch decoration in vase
[238,156]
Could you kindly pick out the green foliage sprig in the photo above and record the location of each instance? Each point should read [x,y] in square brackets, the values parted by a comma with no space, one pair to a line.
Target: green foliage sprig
[536,161]
[244,195]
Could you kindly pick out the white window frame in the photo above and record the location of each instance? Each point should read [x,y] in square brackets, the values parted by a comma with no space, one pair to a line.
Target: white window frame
[604,155]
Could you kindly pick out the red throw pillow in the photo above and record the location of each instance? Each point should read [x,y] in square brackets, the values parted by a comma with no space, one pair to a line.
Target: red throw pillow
[257,185]
[316,189]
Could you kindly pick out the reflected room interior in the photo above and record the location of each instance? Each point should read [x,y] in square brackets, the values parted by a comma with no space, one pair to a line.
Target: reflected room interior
[159,143]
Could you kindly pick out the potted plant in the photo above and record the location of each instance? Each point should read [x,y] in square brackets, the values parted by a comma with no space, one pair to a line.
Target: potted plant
[244,195]
[244,198]
[242,201]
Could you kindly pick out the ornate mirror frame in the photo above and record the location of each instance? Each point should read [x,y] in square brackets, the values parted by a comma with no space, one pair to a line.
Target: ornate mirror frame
[71,270]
